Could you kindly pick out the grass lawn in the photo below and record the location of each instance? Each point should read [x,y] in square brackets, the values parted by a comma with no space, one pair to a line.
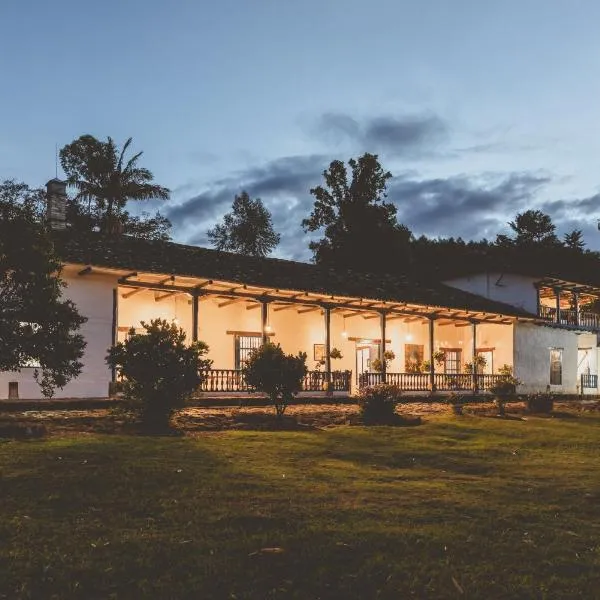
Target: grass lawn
[466,507]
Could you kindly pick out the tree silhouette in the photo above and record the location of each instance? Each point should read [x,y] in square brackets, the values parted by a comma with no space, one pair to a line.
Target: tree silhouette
[38,328]
[574,240]
[105,181]
[360,228]
[247,229]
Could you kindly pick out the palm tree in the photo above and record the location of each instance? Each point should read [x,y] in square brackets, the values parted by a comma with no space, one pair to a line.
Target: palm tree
[106,181]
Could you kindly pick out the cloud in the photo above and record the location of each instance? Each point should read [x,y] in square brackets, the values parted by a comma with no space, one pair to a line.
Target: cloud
[283,184]
[391,135]
[469,207]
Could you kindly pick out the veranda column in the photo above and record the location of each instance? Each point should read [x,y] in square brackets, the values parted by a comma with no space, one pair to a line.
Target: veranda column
[195,302]
[576,307]
[474,359]
[382,325]
[431,351]
[115,326]
[557,292]
[264,309]
[327,312]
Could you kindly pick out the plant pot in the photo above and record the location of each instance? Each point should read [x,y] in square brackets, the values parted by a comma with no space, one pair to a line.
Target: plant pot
[500,405]
[540,404]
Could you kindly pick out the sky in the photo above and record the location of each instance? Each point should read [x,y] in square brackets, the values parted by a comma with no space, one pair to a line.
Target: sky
[480,109]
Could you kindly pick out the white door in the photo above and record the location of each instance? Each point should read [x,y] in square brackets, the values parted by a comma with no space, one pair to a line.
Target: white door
[363,359]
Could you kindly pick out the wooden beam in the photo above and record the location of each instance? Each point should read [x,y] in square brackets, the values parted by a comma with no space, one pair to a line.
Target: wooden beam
[253,306]
[85,271]
[158,298]
[367,317]
[445,323]
[286,307]
[133,292]
[228,302]
[126,277]
[311,309]
[202,285]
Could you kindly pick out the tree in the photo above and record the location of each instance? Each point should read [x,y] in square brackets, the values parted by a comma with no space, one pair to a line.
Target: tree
[574,240]
[37,327]
[105,182]
[247,229]
[360,228]
[533,227]
[276,374]
[159,370]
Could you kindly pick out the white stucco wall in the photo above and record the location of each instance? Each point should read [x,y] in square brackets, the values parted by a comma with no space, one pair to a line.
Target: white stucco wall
[92,294]
[516,290]
[532,357]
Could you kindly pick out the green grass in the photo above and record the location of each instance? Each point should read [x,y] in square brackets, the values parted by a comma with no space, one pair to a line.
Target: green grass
[459,507]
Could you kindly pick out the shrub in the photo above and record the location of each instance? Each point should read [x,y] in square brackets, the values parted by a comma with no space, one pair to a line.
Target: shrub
[276,374]
[159,371]
[377,404]
[540,403]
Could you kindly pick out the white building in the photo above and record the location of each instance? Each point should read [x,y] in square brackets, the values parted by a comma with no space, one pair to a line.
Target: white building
[234,303]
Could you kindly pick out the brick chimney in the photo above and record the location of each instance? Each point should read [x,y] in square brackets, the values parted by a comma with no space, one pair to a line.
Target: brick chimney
[56,204]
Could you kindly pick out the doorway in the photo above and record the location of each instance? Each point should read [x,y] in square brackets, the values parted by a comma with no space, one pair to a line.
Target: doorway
[366,353]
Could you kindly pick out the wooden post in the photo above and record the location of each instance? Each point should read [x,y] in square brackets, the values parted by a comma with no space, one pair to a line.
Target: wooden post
[576,307]
[557,292]
[474,352]
[195,302]
[431,351]
[537,300]
[115,326]
[327,312]
[264,320]
[382,325]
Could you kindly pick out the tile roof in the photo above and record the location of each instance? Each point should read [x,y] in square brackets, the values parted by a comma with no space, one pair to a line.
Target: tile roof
[170,258]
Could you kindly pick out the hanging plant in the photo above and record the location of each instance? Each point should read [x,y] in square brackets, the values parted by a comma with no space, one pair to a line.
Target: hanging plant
[439,356]
[335,354]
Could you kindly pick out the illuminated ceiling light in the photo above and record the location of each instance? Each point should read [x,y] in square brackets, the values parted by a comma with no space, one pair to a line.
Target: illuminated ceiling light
[344,332]
[408,337]
[268,328]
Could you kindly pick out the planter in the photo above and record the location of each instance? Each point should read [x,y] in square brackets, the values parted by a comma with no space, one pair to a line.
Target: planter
[500,403]
[541,403]
[457,409]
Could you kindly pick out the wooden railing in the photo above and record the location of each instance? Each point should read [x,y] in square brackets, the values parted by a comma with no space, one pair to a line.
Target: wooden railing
[447,382]
[315,381]
[421,382]
[570,317]
[589,381]
[233,380]
[414,382]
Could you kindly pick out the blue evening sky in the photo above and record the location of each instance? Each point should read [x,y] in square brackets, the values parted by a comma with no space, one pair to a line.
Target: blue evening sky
[480,109]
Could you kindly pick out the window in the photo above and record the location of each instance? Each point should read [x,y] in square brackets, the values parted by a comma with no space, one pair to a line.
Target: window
[556,366]
[413,357]
[452,362]
[244,344]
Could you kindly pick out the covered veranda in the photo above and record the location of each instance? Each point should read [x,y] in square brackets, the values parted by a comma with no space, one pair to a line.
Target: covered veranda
[350,342]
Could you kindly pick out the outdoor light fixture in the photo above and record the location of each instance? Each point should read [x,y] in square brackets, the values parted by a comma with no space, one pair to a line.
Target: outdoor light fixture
[268,328]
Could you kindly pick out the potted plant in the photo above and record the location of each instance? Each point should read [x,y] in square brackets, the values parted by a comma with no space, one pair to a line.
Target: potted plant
[539,403]
[480,363]
[388,356]
[334,354]
[425,366]
[439,356]
[504,388]
[457,402]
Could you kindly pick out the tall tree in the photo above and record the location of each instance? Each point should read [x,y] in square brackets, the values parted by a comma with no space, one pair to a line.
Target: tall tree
[360,228]
[574,240]
[247,229]
[38,328]
[532,227]
[105,182]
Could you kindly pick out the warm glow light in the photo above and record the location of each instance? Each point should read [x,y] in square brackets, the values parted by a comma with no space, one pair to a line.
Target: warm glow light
[408,337]
[268,329]
[344,334]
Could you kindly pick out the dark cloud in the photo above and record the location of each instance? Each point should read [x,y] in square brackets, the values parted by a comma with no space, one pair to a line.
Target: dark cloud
[394,136]
[463,206]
